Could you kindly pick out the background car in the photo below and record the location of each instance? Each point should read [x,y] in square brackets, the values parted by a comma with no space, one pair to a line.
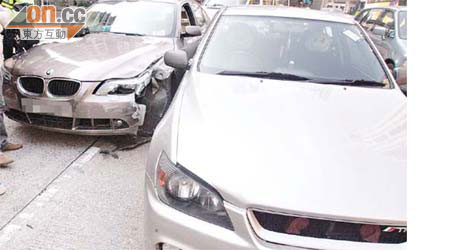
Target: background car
[387,27]
[290,3]
[287,132]
[110,79]
[213,6]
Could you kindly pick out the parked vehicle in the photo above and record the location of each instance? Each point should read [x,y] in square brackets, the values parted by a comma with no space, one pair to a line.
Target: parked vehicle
[213,6]
[290,3]
[109,80]
[287,131]
[387,28]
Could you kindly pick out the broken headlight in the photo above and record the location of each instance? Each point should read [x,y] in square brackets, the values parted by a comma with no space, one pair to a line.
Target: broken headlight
[182,190]
[125,86]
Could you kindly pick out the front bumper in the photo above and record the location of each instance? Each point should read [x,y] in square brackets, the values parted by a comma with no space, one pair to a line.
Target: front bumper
[83,113]
[169,226]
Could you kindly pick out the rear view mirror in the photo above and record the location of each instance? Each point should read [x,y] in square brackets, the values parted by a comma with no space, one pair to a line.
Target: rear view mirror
[191,31]
[176,58]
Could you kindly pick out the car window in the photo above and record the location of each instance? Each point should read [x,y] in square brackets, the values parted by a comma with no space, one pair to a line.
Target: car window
[372,18]
[254,2]
[361,15]
[402,28]
[145,18]
[199,14]
[281,2]
[388,20]
[187,17]
[307,48]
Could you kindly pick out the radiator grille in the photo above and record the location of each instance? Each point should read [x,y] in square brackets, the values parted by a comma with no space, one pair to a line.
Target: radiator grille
[63,87]
[327,229]
[33,85]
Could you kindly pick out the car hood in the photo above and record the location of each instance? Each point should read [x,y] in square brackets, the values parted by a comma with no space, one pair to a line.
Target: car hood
[94,57]
[297,147]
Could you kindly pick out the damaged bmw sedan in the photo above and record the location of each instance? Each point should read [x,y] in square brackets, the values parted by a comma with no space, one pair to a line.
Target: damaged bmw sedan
[295,138]
[110,79]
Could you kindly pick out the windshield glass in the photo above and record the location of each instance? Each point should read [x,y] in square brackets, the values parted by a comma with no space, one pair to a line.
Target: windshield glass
[402,28]
[307,48]
[225,2]
[141,18]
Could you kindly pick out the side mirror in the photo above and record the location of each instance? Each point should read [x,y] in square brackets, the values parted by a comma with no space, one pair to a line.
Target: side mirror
[390,34]
[176,58]
[380,31]
[192,31]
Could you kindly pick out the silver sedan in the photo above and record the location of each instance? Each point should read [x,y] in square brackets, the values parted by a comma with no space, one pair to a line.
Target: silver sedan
[287,132]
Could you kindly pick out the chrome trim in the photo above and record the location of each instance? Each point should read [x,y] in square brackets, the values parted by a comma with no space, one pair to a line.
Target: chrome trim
[24,92]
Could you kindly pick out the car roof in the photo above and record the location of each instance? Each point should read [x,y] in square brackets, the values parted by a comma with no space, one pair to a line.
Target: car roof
[283,11]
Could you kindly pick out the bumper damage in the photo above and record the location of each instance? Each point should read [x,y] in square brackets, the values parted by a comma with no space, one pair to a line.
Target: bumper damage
[83,113]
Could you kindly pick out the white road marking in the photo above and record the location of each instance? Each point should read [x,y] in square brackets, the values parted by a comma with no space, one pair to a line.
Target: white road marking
[87,156]
[8,232]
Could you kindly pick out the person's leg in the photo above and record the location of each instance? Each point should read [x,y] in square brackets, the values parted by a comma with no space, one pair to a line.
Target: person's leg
[3,133]
[5,145]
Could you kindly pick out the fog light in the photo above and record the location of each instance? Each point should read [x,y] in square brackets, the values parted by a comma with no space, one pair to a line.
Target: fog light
[117,123]
[165,246]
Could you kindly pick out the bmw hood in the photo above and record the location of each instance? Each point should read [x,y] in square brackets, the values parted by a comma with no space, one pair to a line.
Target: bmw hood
[95,57]
[296,147]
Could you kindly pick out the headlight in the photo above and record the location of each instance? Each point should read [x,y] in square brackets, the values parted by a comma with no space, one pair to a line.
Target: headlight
[125,86]
[182,190]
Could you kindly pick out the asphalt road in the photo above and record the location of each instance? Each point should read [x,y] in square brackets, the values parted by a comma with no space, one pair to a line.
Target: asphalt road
[64,194]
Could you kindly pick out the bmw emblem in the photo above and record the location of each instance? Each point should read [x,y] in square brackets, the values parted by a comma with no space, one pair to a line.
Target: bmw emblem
[49,72]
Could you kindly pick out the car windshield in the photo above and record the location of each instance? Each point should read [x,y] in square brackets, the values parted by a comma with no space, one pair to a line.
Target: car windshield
[402,28]
[225,2]
[307,49]
[134,18]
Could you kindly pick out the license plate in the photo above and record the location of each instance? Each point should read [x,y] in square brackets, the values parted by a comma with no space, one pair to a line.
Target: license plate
[48,107]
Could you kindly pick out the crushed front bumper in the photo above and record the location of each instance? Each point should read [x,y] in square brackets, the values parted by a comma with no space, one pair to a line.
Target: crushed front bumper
[83,113]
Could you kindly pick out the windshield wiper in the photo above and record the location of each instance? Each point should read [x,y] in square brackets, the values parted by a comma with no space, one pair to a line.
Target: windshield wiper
[269,75]
[349,82]
[128,34]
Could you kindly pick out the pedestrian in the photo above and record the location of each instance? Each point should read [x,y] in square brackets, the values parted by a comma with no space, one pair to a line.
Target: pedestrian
[10,45]
[5,145]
